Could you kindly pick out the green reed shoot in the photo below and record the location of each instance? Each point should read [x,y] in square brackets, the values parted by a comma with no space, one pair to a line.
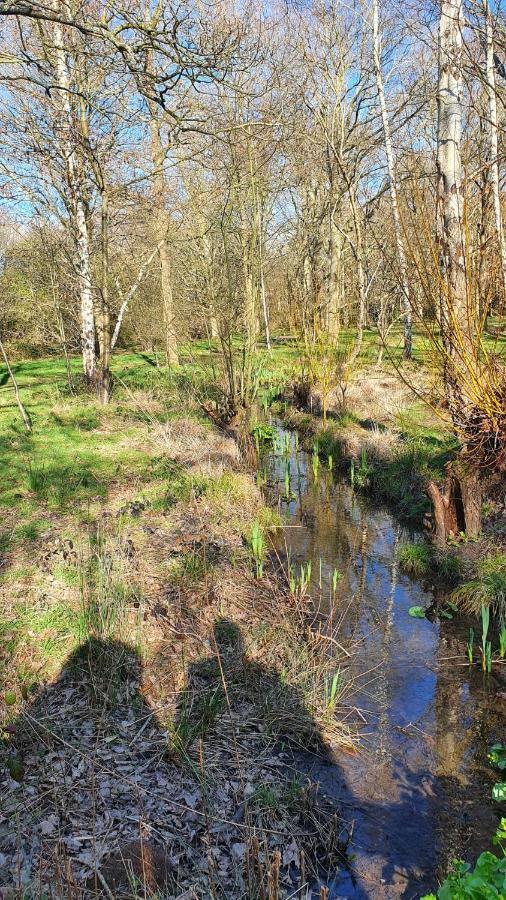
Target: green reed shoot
[502,641]
[299,584]
[331,691]
[292,579]
[470,646]
[336,578]
[257,548]
[330,462]
[305,575]
[288,484]
[486,647]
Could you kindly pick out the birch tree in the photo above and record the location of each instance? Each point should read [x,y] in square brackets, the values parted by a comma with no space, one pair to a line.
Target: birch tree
[493,140]
[67,127]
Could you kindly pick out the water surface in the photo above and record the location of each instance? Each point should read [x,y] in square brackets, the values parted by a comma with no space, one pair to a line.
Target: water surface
[418,793]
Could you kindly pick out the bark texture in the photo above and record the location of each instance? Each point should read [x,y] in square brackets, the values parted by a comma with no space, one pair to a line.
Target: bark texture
[67,126]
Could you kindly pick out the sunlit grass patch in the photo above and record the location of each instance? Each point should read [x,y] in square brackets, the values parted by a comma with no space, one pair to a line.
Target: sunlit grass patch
[421,560]
[84,418]
[487,588]
[416,559]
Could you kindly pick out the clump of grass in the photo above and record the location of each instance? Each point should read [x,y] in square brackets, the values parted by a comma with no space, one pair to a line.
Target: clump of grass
[347,417]
[416,559]
[449,567]
[195,717]
[487,588]
[192,567]
[29,531]
[420,560]
[105,597]
[67,574]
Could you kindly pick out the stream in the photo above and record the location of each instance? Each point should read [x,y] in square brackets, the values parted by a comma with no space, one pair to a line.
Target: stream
[418,792]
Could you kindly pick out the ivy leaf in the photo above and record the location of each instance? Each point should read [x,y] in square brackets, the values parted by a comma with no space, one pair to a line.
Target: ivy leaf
[417,612]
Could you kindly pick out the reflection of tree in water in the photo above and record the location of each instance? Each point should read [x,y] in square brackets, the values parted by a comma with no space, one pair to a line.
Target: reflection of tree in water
[466,724]
[104,794]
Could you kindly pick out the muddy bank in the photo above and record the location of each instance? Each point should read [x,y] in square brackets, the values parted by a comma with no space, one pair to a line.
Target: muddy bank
[376,458]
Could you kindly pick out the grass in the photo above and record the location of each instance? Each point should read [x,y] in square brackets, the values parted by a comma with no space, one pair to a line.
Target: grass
[161,518]
[486,589]
[421,560]
[398,465]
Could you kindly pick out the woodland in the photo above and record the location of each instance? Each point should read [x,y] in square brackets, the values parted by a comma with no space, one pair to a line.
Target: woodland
[252,449]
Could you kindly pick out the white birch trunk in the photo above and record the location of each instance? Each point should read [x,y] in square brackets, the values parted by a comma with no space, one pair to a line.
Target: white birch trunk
[493,142]
[401,254]
[80,228]
[454,311]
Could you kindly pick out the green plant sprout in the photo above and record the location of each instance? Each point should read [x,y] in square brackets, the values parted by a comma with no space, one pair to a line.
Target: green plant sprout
[330,462]
[299,584]
[470,646]
[331,691]
[502,641]
[486,646]
[336,578]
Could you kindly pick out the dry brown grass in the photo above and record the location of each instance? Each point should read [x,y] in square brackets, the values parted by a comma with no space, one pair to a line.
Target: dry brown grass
[108,755]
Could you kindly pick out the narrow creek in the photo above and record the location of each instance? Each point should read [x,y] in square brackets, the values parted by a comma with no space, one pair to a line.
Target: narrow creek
[418,792]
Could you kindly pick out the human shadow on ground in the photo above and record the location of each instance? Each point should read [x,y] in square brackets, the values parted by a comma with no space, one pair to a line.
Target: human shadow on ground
[83,776]
[105,796]
[97,791]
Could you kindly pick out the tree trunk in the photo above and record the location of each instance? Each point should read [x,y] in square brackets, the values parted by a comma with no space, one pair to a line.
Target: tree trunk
[471,491]
[456,311]
[335,297]
[493,142]
[77,204]
[358,253]
[24,415]
[401,254]
[455,324]
[158,155]
[445,505]
[104,378]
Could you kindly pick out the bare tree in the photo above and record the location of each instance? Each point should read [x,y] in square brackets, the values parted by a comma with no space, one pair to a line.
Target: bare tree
[392,180]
